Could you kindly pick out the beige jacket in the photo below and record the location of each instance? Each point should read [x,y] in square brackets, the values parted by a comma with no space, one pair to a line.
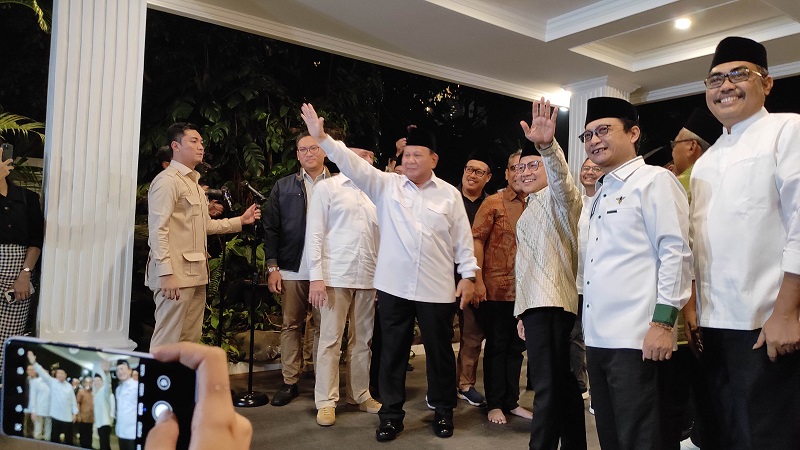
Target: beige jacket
[178,223]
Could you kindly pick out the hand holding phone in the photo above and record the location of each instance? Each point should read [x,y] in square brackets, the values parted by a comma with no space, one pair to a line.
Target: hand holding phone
[215,423]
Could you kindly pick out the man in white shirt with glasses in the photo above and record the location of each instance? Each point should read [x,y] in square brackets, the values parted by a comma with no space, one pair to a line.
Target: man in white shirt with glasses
[746,236]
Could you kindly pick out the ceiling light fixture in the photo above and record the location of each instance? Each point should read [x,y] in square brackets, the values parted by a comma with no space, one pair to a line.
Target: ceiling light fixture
[683,24]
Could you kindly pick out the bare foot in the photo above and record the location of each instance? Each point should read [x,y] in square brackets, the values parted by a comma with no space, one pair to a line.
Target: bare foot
[522,412]
[497,416]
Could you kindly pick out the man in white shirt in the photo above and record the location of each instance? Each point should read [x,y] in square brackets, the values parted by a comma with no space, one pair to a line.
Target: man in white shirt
[127,396]
[424,230]
[63,406]
[746,236]
[38,404]
[342,248]
[105,407]
[287,263]
[547,299]
[590,173]
[637,277]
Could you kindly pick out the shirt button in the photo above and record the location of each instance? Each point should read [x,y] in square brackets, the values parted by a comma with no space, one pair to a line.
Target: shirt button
[591,260]
[588,282]
[599,217]
[587,305]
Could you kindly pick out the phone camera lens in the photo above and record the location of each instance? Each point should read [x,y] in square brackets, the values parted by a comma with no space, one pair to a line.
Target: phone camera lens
[163,382]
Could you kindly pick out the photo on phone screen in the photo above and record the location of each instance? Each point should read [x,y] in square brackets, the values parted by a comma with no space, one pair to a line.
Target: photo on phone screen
[48,389]
[8,151]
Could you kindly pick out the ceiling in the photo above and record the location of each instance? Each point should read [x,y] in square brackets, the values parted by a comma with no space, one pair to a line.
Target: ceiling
[523,48]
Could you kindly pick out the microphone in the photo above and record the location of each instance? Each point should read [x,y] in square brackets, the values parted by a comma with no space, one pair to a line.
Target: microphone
[227,196]
[214,193]
[255,192]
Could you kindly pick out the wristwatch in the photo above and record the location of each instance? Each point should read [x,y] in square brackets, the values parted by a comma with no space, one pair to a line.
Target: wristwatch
[273,269]
[27,269]
[470,279]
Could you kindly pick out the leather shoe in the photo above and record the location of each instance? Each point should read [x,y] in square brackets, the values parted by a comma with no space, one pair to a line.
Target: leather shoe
[388,430]
[284,395]
[442,426]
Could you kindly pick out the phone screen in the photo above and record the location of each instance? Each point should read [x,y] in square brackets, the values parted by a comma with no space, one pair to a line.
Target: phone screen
[8,152]
[127,391]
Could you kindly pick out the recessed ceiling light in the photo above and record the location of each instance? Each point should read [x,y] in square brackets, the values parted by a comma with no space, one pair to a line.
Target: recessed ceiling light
[683,24]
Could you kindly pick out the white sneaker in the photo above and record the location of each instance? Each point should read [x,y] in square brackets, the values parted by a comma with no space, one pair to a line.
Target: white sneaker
[428,404]
[591,410]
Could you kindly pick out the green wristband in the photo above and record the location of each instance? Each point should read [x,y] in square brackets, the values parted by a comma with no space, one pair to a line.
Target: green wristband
[665,314]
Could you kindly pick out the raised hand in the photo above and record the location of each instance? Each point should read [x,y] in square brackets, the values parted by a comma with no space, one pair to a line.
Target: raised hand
[543,126]
[314,123]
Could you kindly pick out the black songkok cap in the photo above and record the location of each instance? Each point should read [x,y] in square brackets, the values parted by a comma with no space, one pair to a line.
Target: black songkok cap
[659,157]
[484,155]
[703,124]
[421,138]
[361,141]
[529,149]
[734,48]
[602,107]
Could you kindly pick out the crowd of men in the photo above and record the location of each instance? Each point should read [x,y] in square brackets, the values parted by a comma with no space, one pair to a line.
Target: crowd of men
[70,410]
[586,284]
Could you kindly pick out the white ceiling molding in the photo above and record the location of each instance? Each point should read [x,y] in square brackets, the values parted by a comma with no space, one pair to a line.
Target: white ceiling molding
[697,87]
[597,14]
[505,17]
[760,31]
[601,82]
[251,24]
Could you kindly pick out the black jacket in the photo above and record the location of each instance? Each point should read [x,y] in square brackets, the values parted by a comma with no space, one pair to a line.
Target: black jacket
[285,222]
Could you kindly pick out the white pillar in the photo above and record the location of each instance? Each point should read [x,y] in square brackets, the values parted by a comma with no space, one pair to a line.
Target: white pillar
[581,93]
[91,153]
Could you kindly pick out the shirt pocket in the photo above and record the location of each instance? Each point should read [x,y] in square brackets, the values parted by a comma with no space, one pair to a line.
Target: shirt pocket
[193,205]
[194,263]
[434,216]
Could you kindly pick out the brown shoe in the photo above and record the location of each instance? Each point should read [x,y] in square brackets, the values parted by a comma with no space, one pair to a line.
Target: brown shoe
[326,416]
[370,405]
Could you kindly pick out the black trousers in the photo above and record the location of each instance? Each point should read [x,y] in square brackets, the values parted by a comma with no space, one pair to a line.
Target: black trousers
[688,401]
[375,359]
[577,350]
[58,428]
[397,325]
[127,444]
[502,355]
[627,399]
[85,432]
[104,433]
[756,401]
[557,402]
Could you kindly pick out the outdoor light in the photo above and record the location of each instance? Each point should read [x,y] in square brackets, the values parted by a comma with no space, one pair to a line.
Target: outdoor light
[683,24]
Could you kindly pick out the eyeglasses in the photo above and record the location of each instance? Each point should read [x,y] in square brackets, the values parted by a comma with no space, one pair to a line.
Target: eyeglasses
[672,144]
[314,149]
[469,170]
[533,165]
[736,75]
[595,169]
[600,131]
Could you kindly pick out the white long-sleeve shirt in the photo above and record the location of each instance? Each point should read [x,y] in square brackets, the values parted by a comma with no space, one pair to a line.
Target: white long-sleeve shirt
[583,239]
[746,220]
[127,396]
[637,255]
[104,404]
[38,397]
[424,230]
[547,250]
[341,235]
[63,405]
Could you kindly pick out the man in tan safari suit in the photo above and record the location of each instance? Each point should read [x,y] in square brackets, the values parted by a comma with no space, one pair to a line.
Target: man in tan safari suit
[178,222]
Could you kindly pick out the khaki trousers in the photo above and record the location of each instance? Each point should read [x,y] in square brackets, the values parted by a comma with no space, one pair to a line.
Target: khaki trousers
[359,306]
[294,300]
[179,320]
[469,350]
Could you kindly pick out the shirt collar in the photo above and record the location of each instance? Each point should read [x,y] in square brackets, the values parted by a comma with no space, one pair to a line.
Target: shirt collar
[627,169]
[738,128]
[182,168]
[304,175]
[437,182]
[510,195]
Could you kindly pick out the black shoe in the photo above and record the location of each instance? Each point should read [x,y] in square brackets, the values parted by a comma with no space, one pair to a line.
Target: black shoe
[284,395]
[442,426]
[388,430]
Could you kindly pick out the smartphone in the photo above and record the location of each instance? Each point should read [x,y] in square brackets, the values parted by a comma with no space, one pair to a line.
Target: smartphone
[8,152]
[142,388]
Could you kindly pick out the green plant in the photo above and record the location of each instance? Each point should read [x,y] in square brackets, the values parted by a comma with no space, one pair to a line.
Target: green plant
[43,15]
